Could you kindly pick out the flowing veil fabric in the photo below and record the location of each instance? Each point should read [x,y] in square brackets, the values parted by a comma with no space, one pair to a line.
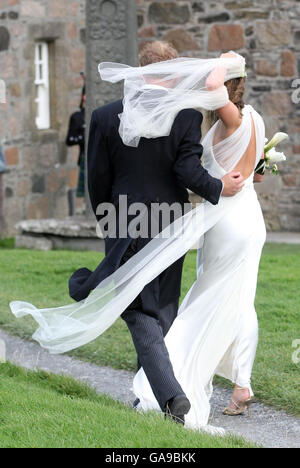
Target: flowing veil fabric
[156,93]
[65,328]
[62,329]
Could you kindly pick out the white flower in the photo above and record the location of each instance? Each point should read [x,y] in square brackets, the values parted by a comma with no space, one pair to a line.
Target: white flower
[274,157]
[277,138]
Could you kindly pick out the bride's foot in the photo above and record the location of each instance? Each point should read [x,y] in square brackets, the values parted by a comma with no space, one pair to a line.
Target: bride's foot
[240,402]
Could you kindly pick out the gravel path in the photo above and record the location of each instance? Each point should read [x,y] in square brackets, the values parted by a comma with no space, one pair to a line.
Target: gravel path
[267,427]
[284,238]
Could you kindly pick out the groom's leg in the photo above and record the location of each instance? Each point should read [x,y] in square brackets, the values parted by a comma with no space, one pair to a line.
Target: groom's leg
[170,291]
[144,320]
[148,338]
[168,314]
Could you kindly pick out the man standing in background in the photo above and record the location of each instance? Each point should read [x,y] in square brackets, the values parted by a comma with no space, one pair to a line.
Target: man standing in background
[76,137]
[2,160]
[2,170]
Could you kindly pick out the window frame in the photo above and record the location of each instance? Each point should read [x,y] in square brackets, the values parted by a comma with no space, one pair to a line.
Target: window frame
[42,84]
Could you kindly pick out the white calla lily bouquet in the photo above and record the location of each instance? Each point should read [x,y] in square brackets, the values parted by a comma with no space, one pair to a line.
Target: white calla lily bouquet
[272,157]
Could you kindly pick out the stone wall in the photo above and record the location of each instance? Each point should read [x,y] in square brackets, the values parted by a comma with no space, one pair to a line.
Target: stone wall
[267,32]
[40,167]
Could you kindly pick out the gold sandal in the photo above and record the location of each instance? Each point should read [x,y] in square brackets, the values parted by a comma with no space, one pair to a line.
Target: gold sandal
[240,406]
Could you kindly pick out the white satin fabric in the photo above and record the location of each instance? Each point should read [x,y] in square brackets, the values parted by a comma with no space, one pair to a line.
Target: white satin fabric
[216,331]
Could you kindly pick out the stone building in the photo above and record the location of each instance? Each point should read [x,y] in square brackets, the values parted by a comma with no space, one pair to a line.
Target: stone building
[41,170]
[39,40]
[267,33]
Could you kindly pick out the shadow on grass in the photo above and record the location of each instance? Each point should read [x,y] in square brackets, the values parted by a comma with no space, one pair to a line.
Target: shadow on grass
[7,243]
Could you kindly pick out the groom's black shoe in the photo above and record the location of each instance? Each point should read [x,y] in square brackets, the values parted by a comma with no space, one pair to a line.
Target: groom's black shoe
[177,408]
[136,404]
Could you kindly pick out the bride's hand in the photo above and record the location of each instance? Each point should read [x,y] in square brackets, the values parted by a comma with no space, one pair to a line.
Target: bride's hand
[228,55]
[216,79]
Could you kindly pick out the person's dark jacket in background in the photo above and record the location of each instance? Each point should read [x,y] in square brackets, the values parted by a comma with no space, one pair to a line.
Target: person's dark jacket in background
[76,136]
[3,166]
[76,132]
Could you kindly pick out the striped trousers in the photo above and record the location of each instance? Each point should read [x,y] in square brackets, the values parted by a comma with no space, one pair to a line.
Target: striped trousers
[149,319]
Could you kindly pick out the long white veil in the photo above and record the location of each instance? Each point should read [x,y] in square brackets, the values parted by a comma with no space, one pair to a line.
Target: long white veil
[65,328]
[156,93]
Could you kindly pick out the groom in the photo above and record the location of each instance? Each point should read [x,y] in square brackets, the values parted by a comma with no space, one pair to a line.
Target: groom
[158,171]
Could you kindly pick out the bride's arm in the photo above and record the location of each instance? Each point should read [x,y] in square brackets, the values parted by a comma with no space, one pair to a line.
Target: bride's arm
[229,114]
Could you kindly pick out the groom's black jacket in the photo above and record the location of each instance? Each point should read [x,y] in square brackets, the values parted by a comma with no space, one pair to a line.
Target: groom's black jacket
[159,171]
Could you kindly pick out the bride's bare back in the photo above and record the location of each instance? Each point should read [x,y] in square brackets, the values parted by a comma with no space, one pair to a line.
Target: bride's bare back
[247,164]
[231,119]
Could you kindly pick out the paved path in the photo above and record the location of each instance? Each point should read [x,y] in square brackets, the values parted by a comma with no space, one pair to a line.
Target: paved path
[284,237]
[268,427]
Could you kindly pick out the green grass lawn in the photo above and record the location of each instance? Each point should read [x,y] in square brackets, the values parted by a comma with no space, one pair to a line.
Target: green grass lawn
[39,410]
[41,278]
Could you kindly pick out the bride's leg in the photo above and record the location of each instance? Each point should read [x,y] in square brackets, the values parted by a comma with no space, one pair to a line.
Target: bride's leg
[245,351]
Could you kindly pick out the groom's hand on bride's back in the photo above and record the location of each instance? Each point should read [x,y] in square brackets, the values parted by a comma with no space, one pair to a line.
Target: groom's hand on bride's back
[233,184]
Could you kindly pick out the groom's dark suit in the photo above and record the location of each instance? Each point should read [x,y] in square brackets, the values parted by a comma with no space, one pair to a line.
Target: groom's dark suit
[159,171]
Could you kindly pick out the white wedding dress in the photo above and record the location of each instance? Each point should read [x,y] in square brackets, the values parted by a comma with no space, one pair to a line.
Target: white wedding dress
[216,331]
[182,84]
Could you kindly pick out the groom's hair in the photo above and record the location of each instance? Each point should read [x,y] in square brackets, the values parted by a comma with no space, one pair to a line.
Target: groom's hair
[158,51]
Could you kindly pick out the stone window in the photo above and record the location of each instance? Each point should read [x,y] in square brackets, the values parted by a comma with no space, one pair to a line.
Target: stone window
[2,92]
[42,85]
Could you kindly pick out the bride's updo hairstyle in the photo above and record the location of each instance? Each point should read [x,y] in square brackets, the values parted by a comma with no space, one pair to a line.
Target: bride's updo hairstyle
[158,51]
[236,91]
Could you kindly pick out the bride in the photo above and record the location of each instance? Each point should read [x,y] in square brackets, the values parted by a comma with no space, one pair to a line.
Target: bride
[216,329]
